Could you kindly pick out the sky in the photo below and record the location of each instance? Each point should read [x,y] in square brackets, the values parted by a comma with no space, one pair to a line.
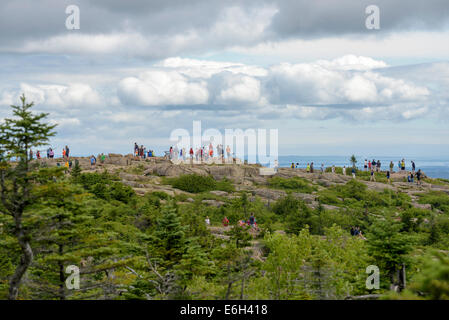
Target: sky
[137,70]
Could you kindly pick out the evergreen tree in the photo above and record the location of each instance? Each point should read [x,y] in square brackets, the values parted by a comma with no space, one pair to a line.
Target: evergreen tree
[353,160]
[17,137]
[169,237]
[389,248]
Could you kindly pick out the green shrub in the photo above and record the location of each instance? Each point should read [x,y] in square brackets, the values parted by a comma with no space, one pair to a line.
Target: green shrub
[193,183]
[437,199]
[294,184]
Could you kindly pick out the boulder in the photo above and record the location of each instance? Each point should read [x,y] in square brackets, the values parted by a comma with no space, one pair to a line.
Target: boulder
[426,206]
[219,193]
[214,203]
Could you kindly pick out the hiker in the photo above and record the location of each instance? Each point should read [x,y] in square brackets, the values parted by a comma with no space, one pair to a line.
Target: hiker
[373,164]
[48,153]
[225,221]
[372,178]
[102,158]
[402,165]
[207,220]
[67,151]
[292,165]
[228,152]
[136,147]
[353,173]
[63,153]
[369,165]
[359,233]
[352,231]
[411,177]
[311,167]
[391,166]
[66,165]
[399,165]
[418,177]
[365,167]
[413,166]
[252,220]
[378,166]
[344,170]
[52,153]
[408,178]
[388,176]
[333,169]
[31,154]
[308,168]
[38,154]
[93,161]
[322,168]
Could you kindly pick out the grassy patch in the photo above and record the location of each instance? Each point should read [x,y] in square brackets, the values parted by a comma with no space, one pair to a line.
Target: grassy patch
[194,183]
[294,184]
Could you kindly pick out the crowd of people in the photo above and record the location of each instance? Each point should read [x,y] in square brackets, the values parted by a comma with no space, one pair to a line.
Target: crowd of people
[204,153]
[371,167]
[142,151]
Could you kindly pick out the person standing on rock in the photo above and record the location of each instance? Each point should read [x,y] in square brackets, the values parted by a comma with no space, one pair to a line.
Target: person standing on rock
[191,155]
[378,166]
[366,165]
[38,154]
[67,151]
[372,178]
[369,165]
[344,170]
[308,168]
[52,153]
[418,177]
[403,165]
[93,161]
[322,168]
[176,152]
[391,166]
[311,167]
[413,166]
[228,152]
[333,168]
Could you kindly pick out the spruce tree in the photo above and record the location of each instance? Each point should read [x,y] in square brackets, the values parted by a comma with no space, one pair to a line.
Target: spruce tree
[18,136]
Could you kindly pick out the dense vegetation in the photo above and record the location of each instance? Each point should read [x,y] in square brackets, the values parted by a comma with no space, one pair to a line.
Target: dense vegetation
[157,246]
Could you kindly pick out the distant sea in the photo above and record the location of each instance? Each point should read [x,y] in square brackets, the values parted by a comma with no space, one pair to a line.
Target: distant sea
[434,168]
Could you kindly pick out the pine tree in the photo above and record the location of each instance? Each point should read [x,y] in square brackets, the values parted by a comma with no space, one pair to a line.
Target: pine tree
[353,160]
[76,171]
[169,237]
[17,136]
[389,248]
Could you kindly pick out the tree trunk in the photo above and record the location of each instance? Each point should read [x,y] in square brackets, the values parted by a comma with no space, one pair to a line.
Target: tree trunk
[24,263]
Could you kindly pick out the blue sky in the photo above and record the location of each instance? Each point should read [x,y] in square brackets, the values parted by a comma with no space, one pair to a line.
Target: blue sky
[136,71]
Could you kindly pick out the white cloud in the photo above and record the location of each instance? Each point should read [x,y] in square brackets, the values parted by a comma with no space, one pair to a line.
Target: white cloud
[77,94]
[242,89]
[157,87]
